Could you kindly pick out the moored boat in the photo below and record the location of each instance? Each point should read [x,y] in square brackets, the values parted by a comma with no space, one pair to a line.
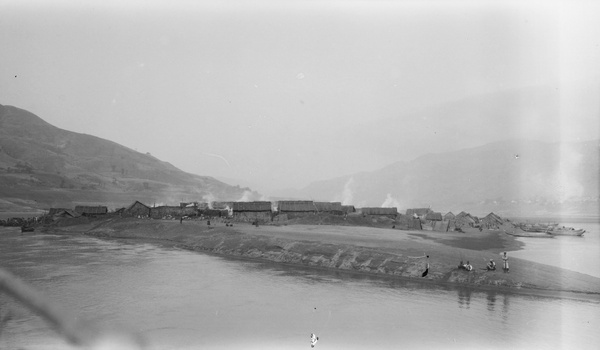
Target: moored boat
[566,231]
[521,233]
[27,229]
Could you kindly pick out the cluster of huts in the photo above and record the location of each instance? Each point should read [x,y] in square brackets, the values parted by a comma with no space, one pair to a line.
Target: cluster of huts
[427,219]
[266,211]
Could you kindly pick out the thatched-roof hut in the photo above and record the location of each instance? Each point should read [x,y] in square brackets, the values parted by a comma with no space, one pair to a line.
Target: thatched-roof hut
[251,206]
[296,206]
[136,209]
[329,207]
[251,211]
[491,221]
[449,216]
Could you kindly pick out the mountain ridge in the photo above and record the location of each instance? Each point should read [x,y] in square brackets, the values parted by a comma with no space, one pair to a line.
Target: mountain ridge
[47,166]
[513,177]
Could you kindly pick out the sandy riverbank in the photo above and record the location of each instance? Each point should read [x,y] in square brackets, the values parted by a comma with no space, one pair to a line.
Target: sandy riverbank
[378,251]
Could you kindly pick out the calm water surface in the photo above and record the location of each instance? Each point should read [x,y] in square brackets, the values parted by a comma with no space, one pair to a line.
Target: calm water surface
[184,300]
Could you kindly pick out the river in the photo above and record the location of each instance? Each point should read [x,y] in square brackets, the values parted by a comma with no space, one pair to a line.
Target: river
[178,299]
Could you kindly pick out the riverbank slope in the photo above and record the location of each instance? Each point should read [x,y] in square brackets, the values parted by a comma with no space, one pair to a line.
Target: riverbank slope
[377,251]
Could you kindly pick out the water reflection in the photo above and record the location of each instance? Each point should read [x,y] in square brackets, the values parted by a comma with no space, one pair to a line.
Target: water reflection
[464,298]
[491,300]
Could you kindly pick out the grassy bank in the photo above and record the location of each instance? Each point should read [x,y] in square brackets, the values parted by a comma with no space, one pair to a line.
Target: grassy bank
[378,251]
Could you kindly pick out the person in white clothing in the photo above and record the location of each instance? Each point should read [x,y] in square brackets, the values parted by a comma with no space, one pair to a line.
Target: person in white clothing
[313,340]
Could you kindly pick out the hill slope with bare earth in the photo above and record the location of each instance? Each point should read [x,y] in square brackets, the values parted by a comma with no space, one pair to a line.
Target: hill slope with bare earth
[42,166]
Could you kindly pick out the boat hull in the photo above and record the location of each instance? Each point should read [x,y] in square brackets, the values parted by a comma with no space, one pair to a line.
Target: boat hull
[577,233]
[529,234]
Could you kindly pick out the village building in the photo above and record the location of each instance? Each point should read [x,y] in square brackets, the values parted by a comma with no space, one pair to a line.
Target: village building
[435,222]
[137,209]
[449,216]
[251,211]
[291,209]
[464,220]
[91,210]
[491,222]
[329,207]
[407,222]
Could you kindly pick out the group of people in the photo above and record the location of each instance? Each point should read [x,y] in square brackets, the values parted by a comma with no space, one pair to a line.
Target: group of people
[491,265]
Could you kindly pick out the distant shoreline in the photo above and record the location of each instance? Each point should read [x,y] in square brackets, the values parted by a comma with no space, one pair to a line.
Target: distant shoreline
[388,253]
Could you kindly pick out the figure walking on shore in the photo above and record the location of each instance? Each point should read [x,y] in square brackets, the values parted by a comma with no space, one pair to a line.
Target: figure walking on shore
[426,267]
[426,263]
[505,261]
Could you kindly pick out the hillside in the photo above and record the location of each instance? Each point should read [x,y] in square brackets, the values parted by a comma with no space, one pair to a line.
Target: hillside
[512,177]
[42,166]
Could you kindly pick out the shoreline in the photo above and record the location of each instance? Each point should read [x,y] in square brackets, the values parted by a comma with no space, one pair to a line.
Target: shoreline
[376,252]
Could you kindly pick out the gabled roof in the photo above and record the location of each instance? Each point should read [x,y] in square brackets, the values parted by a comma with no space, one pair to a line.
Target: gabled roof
[136,202]
[492,218]
[67,212]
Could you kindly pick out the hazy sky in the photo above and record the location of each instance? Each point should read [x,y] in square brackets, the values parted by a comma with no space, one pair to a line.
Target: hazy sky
[282,93]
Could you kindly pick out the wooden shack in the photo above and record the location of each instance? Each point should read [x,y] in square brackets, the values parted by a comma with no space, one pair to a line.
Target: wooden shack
[329,207]
[137,209]
[449,216]
[251,211]
[492,221]
[294,209]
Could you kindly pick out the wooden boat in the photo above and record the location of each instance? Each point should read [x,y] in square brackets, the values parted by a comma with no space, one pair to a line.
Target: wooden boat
[27,229]
[521,233]
[566,231]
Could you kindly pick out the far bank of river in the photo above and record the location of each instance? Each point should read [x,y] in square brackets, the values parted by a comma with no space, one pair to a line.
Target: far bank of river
[374,251]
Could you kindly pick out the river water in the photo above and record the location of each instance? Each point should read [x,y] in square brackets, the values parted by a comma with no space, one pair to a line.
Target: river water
[177,299]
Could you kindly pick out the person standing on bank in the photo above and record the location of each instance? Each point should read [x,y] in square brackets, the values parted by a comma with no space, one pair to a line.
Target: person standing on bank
[505,262]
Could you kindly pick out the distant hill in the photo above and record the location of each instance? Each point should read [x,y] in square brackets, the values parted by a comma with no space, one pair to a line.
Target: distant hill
[42,166]
[512,177]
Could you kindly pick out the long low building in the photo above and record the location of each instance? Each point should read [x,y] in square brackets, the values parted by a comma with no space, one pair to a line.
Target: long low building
[296,207]
[250,211]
